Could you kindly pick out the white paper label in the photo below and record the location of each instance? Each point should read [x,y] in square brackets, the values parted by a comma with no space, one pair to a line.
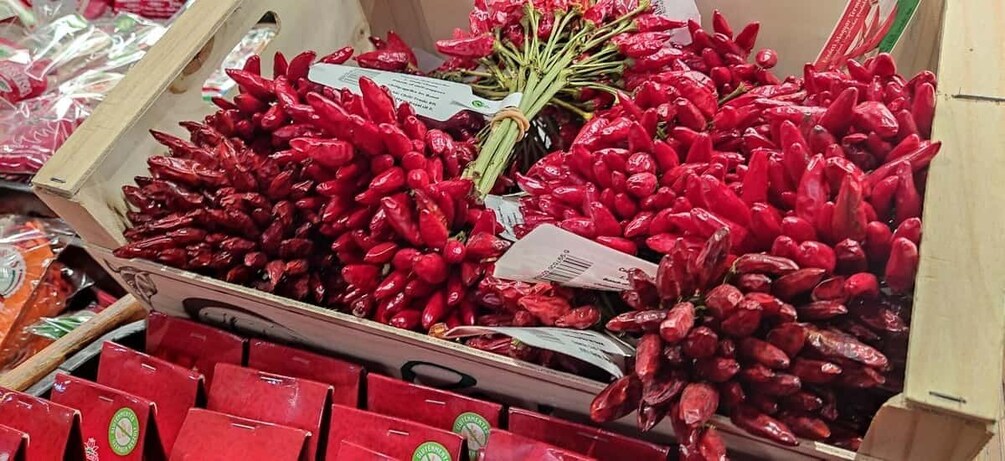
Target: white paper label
[602,350]
[433,98]
[681,10]
[552,254]
[507,211]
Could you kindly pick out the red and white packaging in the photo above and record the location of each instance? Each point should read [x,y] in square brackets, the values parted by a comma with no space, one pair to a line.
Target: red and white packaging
[192,345]
[53,429]
[172,388]
[271,398]
[349,451]
[583,439]
[392,437]
[13,444]
[153,9]
[114,424]
[345,377]
[212,436]
[505,446]
[474,419]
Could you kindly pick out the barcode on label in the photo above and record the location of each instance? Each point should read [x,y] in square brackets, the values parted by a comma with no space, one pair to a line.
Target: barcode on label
[567,268]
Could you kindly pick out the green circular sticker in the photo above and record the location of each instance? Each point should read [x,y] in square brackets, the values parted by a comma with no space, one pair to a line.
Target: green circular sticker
[478,104]
[431,451]
[475,430]
[124,431]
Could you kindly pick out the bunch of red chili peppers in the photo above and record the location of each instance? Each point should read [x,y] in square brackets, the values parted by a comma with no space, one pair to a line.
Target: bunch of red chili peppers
[785,214]
[787,220]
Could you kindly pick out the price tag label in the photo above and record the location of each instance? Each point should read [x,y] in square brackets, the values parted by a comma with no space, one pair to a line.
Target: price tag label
[507,210]
[551,254]
[602,350]
[433,98]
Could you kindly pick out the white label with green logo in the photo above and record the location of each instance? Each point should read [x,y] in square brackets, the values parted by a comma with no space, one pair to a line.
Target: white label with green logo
[12,269]
[431,451]
[475,430]
[124,432]
[431,97]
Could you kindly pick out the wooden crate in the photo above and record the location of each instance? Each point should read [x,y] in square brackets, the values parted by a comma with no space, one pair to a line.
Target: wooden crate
[952,395]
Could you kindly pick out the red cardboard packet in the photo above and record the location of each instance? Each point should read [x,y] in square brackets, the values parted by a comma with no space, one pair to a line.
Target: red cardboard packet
[393,437]
[271,398]
[172,388]
[583,439]
[114,424]
[349,451]
[472,418]
[192,345]
[343,376]
[505,446]
[53,429]
[13,444]
[212,436]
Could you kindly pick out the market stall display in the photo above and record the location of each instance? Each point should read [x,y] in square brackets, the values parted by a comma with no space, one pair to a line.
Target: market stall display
[803,194]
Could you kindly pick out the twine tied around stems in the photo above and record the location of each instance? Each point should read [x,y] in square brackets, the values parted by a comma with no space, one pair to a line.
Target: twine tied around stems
[513,112]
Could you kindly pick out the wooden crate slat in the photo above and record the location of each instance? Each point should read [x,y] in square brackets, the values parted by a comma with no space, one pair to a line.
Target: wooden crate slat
[958,322]
[973,49]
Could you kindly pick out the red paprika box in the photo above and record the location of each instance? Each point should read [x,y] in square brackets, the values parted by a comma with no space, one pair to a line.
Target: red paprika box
[13,444]
[474,419]
[53,430]
[505,445]
[583,439]
[213,436]
[393,437]
[191,344]
[271,398]
[173,388]
[114,424]
[343,376]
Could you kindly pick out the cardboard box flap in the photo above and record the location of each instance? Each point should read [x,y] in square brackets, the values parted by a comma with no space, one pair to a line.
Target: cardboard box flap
[472,418]
[173,388]
[213,436]
[13,444]
[345,377]
[192,345]
[393,437]
[271,398]
[53,429]
[583,439]
[114,424]
[505,445]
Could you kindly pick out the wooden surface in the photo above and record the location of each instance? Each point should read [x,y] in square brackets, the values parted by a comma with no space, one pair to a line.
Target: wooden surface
[958,322]
[166,87]
[38,366]
[973,50]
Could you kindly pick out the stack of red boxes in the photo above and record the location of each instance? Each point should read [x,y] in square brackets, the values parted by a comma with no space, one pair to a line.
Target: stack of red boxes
[193,398]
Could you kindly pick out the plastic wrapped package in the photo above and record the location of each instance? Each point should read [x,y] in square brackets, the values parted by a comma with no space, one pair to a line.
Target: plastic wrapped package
[32,284]
[54,77]
[254,43]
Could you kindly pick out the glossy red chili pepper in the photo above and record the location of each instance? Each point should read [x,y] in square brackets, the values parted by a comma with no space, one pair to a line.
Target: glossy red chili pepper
[468,47]
[618,399]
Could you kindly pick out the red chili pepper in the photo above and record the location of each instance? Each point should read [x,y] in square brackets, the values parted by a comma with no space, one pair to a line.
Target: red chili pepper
[617,399]
[744,320]
[698,403]
[340,56]
[701,342]
[798,229]
[397,209]
[679,321]
[907,198]
[747,37]
[656,23]
[832,344]
[764,353]
[475,47]
[386,59]
[717,369]
[762,425]
[801,281]
[254,84]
